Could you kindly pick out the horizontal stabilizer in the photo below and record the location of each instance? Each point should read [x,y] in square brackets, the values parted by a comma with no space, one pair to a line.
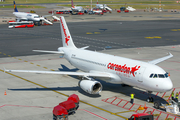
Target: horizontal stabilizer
[55,17]
[57,52]
[83,48]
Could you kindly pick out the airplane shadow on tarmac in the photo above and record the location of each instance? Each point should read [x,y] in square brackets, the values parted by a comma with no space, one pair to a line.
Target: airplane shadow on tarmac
[117,88]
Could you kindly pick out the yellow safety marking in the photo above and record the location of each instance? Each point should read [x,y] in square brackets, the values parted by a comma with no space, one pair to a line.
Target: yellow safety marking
[125,111]
[157,37]
[9,55]
[97,33]
[156,115]
[0,52]
[175,40]
[25,61]
[64,95]
[52,70]
[175,29]
[45,67]
[149,37]
[89,33]
[31,63]
[19,59]
[4,53]
[166,96]
[14,57]
[38,65]
[154,37]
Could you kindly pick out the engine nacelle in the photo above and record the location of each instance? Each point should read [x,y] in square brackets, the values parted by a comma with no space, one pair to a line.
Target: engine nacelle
[91,87]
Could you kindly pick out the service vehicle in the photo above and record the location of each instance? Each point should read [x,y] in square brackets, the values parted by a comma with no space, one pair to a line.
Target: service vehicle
[171,107]
[22,24]
[142,116]
[66,108]
[118,11]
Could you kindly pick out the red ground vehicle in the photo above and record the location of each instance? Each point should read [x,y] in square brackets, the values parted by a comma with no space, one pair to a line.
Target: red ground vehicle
[126,11]
[66,108]
[119,11]
[22,24]
[142,116]
[80,13]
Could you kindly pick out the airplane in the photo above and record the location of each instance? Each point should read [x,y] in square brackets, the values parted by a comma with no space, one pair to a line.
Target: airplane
[103,6]
[130,8]
[23,16]
[110,68]
[76,8]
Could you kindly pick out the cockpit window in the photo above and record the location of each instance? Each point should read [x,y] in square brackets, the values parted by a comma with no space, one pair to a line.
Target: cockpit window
[155,76]
[161,76]
[151,75]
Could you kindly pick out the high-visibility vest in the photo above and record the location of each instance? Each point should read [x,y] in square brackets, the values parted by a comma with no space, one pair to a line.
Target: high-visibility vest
[177,95]
[132,96]
[172,94]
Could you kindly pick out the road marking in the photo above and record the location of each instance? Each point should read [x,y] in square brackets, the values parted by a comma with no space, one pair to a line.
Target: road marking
[64,94]
[153,37]
[89,33]
[125,111]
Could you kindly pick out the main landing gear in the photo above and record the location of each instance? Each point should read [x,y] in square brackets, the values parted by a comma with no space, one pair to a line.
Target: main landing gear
[150,99]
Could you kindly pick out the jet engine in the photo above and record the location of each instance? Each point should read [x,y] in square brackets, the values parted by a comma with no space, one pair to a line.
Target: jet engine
[90,86]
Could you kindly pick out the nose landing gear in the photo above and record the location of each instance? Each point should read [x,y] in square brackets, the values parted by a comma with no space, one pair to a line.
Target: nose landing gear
[150,99]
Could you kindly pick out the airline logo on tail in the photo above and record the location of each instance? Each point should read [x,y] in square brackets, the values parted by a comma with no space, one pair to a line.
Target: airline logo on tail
[15,8]
[123,69]
[65,34]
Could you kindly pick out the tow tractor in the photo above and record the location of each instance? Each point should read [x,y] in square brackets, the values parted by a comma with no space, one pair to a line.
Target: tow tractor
[61,111]
[171,107]
[142,116]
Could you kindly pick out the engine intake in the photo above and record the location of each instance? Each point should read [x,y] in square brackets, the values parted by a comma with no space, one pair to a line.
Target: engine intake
[91,87]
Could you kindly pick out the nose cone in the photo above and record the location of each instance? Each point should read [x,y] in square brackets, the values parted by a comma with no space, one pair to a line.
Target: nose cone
[167,85]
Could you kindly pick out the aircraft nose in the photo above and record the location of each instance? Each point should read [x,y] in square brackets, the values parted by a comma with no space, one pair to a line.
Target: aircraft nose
[167,85]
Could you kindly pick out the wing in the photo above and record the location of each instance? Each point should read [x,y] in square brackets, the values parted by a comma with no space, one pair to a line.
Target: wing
[106,75]
[156,61]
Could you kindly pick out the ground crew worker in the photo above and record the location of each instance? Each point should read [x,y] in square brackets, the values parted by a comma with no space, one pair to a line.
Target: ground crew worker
[172,95]
[177,97]
[132,98]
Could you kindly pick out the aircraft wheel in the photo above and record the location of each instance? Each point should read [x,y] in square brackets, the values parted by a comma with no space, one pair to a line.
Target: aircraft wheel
[156,104]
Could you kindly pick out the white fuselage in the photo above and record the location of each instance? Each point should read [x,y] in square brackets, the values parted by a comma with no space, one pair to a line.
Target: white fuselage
[27,16]
[123,70]
[77,8]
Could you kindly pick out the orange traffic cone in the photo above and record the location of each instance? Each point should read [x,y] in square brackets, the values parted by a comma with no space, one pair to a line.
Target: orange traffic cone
[5,93]
[145,107]
[169,74]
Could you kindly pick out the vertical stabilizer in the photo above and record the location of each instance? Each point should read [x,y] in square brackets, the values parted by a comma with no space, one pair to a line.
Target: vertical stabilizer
[66,36]
[72,5]
[15,8]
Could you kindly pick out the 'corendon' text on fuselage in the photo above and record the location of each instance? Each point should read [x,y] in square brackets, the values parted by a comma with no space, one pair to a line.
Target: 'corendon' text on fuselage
[123,68]
[66,37]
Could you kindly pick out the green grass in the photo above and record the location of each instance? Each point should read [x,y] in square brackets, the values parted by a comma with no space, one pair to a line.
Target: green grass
[141,4]
[100,1]
[22,6]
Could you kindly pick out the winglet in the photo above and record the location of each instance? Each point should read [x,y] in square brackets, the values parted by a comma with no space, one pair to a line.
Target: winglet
[4,69]
[161,59]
